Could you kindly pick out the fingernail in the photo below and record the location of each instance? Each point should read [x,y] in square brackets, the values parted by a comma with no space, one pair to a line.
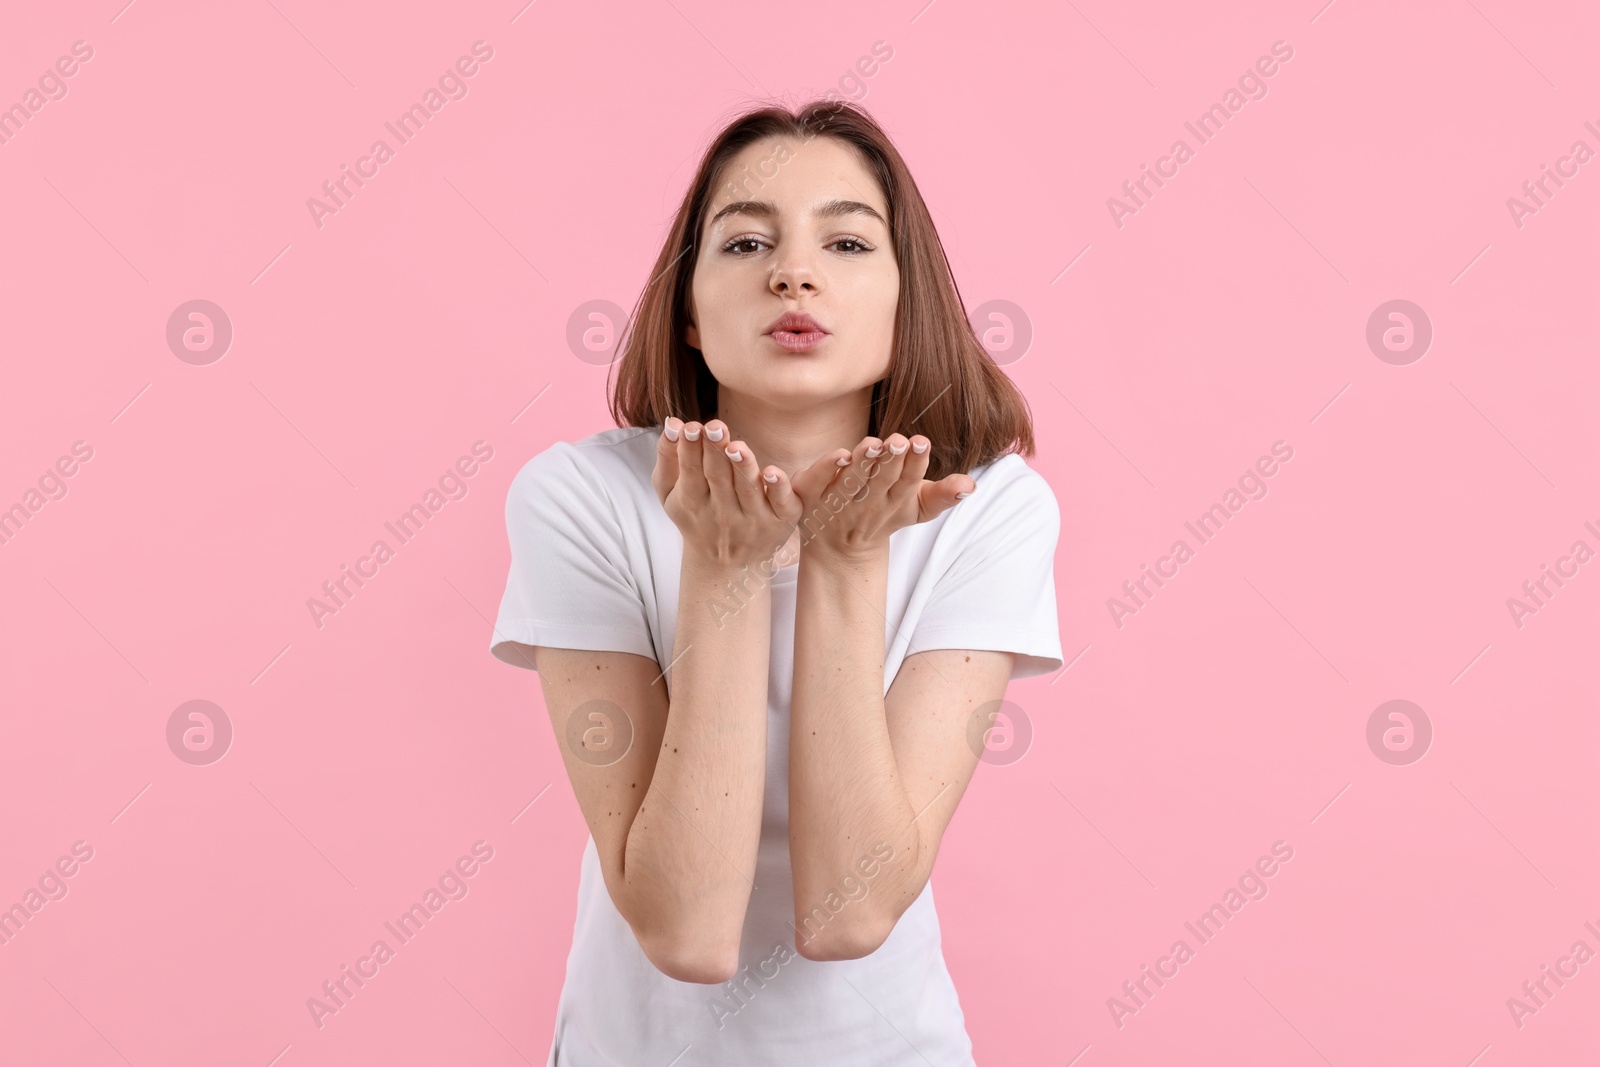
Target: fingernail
[769,478]
[962,496]
[672,434]
[874,452]
[893,451]
[844,461]
[713,435]
[733,454]
[693,435]
[919,449]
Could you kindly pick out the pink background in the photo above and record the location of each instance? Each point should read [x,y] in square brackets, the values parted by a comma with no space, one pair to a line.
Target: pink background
[368,354]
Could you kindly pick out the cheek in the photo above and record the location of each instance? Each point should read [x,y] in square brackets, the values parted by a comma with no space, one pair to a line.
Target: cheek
[886,283]
[884,303]
[725,320]
[711,304]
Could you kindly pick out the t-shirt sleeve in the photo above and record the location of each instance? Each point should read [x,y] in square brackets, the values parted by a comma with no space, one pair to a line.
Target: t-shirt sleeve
[570,585]
[999,592]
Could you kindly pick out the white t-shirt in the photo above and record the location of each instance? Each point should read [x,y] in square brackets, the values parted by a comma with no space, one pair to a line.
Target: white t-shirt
[595,565]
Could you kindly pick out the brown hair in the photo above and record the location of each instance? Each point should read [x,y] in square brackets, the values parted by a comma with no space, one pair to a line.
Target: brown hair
[942,382]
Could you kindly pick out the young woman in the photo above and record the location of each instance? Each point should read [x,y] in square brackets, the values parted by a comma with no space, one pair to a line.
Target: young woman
[773,613]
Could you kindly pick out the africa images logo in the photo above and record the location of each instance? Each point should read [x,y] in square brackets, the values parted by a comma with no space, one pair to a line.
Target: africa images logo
[452,85]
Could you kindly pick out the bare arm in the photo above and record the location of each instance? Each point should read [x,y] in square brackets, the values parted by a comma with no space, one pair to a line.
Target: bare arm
[871,775]
[873,779]
[676,819]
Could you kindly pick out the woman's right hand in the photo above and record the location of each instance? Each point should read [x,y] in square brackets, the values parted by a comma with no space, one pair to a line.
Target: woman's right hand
[729,511]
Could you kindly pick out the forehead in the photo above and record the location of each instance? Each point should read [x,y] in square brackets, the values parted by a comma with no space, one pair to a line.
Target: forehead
[796,177]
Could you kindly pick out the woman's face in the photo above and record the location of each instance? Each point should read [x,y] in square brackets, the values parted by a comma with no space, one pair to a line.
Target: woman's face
[805,230]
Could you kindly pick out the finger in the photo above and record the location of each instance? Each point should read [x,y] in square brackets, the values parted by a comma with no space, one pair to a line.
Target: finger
[856,480]
[691,476]
[887,466]
[665,475]
[936,497]
[781,495]
[745,472]
[914,465]
[744,462]
[812,482]
[718,472]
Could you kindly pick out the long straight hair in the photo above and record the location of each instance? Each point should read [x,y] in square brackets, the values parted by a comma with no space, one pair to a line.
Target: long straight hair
[941,382]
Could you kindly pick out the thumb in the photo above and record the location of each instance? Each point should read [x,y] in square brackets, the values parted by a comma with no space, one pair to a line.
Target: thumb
[815,479]
[781,495]
[933,498]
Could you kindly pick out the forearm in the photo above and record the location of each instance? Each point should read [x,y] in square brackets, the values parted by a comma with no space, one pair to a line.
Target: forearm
[691,852]
[846,794]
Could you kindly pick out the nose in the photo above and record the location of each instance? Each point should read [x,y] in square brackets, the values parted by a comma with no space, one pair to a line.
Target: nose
[793,273]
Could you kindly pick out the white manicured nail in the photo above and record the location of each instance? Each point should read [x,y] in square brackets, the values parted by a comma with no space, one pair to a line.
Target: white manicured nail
[693,435]
[733,454]
[875,452]
[896,451]
[844,461]
[672,434]
[713,435]
[919,449]
[770,479]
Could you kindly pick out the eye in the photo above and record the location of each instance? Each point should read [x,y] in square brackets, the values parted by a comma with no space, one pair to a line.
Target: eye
[737,242]
[749,245]
[861,246]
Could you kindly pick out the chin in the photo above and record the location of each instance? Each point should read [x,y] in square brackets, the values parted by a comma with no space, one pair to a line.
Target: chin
[793,378]
[796,390]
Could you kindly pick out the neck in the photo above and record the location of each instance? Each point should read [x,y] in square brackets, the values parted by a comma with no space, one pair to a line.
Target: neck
[792,438]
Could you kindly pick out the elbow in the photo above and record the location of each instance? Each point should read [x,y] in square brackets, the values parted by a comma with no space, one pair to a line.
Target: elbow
[686,947]
[683,961]
[843,941]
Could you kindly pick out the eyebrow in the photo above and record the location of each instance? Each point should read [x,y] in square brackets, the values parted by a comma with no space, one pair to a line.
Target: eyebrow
[826,210]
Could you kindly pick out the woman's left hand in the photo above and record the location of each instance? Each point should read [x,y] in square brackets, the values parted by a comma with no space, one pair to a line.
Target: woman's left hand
[876,489]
